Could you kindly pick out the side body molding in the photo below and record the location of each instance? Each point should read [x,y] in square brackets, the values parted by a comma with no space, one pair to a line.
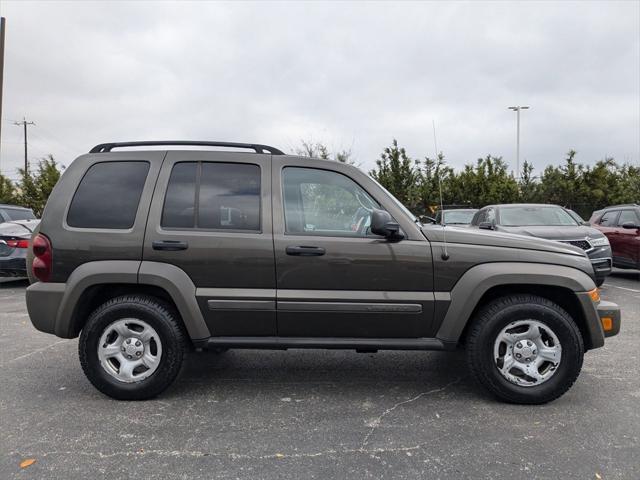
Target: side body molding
[181,289]
[476,281]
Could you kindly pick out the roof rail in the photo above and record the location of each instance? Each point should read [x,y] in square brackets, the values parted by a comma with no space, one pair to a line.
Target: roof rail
[107,147]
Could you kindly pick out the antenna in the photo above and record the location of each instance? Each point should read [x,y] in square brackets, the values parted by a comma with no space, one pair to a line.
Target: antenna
[445,253]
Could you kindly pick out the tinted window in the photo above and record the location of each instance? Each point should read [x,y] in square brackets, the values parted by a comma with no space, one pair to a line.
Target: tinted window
[228,198]
[180,201]
[609,218]
[108,195]
[19,214]
[627,216]
[320,202]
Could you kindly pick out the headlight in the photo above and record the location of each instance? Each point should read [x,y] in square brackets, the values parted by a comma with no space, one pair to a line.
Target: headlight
[599,242]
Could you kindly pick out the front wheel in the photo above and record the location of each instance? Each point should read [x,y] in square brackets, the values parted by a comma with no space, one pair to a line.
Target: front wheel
[132,347]
[525,349]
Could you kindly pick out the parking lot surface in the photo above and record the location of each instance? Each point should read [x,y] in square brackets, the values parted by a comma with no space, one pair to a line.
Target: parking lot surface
[315,414]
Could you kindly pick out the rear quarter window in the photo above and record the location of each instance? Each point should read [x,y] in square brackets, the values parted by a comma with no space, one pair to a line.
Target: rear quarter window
[108,195]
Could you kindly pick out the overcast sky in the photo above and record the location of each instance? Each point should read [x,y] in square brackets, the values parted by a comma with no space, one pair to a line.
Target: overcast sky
[352,75]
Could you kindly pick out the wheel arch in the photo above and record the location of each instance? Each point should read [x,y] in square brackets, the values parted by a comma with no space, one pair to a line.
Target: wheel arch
[94,283]
[483,283]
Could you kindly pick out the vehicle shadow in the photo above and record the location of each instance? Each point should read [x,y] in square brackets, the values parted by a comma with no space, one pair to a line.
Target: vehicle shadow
[625,274]
[305,371]
[10,282]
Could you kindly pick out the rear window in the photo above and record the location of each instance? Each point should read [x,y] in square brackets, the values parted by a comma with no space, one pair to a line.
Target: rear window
[108,195]
[213,196]
[19,214]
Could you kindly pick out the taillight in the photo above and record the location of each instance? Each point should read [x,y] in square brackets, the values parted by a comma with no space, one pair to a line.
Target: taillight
[43,259]
[17,243]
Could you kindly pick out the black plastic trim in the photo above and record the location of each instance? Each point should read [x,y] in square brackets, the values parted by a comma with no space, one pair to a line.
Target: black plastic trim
[283,343]
[258,148]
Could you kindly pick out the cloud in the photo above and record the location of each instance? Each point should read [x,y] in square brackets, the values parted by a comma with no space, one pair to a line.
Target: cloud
[354,75]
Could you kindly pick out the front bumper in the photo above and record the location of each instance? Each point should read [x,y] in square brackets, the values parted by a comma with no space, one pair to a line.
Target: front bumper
[600,258]
[610,318]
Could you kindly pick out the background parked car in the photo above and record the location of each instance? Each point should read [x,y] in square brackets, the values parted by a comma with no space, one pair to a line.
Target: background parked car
[15,237]
[461,216]
[550,222]
[14,212]
[621,225]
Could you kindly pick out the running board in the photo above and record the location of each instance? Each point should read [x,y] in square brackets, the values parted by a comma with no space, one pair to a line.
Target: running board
[364,344]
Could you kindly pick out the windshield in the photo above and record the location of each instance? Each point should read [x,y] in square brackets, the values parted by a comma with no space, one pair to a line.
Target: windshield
[460,217]
[535,216]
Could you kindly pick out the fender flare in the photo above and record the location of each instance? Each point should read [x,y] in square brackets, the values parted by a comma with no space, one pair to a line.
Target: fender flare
[476,281]
[166,276]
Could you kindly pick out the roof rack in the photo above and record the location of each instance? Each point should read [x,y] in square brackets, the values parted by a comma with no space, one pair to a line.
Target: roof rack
[107,147]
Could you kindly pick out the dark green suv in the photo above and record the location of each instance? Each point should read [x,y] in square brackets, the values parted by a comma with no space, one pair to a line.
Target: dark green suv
[144,254]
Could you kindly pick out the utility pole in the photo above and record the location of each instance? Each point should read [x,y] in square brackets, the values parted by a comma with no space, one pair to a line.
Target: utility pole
[24,123]
[3,24]
[517,110]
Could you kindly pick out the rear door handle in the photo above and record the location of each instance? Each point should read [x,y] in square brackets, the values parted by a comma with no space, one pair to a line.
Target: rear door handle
[170,245]
[304,251]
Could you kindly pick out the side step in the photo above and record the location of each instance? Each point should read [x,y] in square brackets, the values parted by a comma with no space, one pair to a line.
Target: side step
[363,344]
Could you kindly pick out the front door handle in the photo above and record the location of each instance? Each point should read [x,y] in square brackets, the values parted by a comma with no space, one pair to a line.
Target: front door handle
[304,251]
[170,245]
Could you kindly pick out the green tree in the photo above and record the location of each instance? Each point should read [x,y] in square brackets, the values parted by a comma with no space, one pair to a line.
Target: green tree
[433,175]
[527,185]
[7,190]
[35,187]
[319,150]
[399,174]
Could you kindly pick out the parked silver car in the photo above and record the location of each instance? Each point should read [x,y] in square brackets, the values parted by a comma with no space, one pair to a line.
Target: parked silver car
[15,237]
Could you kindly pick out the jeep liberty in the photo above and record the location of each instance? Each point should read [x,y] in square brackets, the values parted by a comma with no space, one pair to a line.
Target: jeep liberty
[147,254]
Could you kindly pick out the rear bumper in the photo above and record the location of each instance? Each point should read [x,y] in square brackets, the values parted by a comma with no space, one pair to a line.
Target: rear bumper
[610,318]
[13,267]
[43,303]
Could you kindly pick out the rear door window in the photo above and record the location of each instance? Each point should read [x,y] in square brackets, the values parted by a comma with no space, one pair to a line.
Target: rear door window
[108,195]
[213,196]
[627,216]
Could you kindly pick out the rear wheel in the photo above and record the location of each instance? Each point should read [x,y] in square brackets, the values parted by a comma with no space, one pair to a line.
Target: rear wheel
[132,347]
[525,349]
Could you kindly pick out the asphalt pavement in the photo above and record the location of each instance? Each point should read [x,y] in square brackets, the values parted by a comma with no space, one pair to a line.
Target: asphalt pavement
[305,414]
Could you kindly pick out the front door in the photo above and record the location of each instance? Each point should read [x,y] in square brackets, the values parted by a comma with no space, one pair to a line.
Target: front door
[334,277]
[211,217]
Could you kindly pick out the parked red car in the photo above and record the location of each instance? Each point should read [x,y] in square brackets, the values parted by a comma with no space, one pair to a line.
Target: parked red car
[621,225]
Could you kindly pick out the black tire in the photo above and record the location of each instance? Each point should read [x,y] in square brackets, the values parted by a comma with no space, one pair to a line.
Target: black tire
[600,281]
[157,315]
[495,316]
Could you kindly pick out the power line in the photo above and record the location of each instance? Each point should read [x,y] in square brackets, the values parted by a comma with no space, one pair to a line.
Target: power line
[24,123]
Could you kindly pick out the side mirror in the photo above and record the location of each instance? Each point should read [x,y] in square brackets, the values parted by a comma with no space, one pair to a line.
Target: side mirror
[486,225]
[586,224]
[630,225]
[383,224]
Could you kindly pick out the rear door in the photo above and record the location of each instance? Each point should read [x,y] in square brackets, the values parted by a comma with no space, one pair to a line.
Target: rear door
[335,278]
[627,239]
[211,217]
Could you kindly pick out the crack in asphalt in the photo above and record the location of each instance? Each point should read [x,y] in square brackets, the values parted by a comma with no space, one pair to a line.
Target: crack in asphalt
[33,352]
[376,423]
[233,456]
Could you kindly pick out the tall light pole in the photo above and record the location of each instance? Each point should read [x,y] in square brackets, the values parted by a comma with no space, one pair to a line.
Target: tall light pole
[517,110]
